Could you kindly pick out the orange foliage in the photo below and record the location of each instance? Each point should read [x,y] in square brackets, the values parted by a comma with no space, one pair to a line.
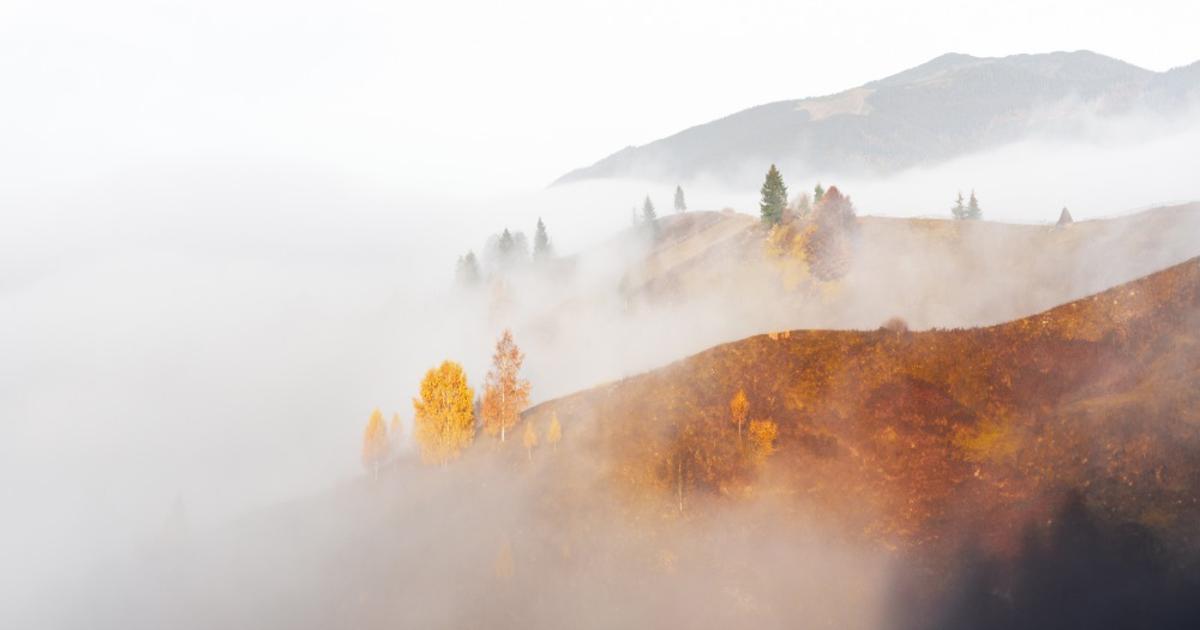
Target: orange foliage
[505,393]
[530,439]
[375,443]
[554,432]
[762,437]
[739,406]
[445,417]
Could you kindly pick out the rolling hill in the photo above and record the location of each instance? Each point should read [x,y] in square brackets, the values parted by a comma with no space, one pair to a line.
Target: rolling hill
[923,439]
[948,107]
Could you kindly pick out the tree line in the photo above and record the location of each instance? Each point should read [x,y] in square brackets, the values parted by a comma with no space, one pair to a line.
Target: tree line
[447,416]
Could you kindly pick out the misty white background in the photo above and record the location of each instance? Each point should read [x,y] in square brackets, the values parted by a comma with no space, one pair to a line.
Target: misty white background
[227,228]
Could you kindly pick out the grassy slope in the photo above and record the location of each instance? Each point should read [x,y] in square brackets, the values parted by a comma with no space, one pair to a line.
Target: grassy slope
[912,439]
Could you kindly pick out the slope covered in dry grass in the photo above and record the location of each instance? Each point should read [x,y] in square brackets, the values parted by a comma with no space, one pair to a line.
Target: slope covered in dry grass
[921,439]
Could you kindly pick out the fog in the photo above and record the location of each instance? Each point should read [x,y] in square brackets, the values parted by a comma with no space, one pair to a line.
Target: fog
[221,249]
[215,337]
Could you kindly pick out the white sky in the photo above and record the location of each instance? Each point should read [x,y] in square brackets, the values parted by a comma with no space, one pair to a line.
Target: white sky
[473,98]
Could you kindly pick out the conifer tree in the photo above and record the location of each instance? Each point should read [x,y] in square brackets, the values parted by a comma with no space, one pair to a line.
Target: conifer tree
[506,244]
[466,274]
[973,210]
[680,203]
[554,431]
[739,406]
[505,394]
[375,443]
[648,213]
[818,193]
[774,197]
[530,439]
[959,211]
[542,249]
[444,420]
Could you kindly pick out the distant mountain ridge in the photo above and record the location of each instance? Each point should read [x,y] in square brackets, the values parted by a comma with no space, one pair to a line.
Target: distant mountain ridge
[948,107]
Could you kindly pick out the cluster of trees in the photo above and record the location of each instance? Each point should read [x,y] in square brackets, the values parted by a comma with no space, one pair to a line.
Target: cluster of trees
[446,413]
[503,252]
[818,231]
[649,215]
[762,432]
[969,211]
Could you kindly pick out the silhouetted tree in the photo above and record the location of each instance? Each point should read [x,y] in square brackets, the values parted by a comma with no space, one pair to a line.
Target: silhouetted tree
[680,203]
[1064,218]
[648,213]
[774,198]
[973,210]
[959,211]
[542,249]
[818,193]
[466,273]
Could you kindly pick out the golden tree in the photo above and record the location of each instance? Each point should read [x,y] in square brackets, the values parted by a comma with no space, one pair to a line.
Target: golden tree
[530,439]
[375,443]
[505,393]
[739,406]
[762,437]
[554,432]
[444,416]
[396,430]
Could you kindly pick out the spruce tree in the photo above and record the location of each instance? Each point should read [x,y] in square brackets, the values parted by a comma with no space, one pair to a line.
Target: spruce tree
[648,214]
[680,204]
[959,210]
[467,272]
[973,210]
[818,192]
[506,244]
[774,197]
[542,248]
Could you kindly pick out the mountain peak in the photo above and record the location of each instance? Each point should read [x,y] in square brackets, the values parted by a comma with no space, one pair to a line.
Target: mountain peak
[947,107]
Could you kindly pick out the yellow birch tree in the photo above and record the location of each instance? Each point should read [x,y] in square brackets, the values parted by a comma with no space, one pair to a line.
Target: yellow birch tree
[739,407]
[444,415]
[505,393]
[375,444]
[530,439]
[554,432]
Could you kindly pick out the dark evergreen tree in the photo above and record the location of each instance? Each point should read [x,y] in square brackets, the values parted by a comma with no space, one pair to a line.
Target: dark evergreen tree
[1064,218]
[818,193]
[542,249]
[959,210]
[648,213]
[680,203]
[774,198]
[973,210]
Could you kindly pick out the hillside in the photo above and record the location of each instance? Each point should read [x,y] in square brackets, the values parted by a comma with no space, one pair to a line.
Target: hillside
[948,107]
[924,439]
[904,461]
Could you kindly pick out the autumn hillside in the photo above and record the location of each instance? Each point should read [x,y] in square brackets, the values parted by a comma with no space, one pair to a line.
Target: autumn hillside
[918,440]
[931,272]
